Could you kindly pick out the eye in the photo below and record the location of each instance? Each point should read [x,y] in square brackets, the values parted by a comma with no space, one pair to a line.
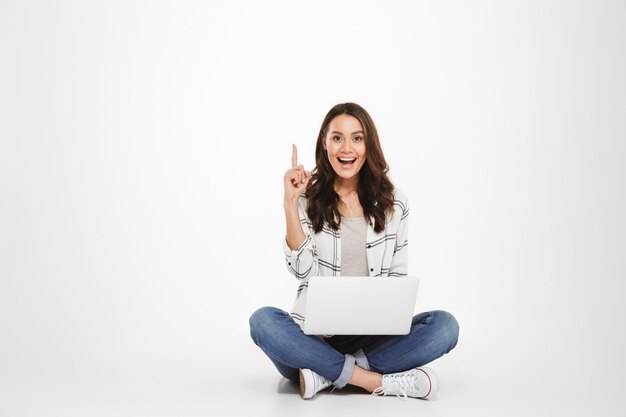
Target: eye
[336,138]
[357,138]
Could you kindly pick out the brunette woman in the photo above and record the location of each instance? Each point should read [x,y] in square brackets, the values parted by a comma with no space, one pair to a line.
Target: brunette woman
[347,218]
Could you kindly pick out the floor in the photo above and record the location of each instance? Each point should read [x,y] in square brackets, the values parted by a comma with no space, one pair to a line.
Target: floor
[254,388]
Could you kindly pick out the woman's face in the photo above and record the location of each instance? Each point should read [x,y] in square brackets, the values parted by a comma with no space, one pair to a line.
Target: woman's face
[345,143]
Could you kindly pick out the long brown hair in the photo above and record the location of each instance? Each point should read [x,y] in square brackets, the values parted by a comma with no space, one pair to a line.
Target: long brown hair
[374,188]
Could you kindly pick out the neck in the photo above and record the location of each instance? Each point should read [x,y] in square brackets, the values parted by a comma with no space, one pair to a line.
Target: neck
[344,186]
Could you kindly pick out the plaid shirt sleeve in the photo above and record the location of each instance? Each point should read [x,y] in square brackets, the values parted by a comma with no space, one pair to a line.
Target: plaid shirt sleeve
[302,262]
[400,260]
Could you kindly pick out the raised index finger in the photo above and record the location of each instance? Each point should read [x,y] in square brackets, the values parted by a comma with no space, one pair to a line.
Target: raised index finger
[294,155]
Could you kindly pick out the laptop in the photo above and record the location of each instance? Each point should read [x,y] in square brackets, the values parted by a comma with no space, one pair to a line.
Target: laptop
[360,305]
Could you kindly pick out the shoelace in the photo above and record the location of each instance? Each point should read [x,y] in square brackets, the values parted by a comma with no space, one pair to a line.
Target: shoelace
[325,383]
[400,382]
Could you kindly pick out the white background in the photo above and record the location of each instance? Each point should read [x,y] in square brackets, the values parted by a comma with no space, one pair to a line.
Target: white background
[142,148]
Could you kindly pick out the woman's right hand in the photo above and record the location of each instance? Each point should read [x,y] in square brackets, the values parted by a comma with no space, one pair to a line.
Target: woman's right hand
[296,178]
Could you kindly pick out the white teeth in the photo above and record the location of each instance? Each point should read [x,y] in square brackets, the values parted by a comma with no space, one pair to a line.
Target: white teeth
[347,159]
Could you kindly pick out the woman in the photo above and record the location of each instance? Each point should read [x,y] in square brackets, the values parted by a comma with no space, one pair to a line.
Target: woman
[346,218]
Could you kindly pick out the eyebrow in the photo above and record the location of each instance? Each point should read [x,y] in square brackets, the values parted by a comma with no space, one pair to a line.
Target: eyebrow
[354,133]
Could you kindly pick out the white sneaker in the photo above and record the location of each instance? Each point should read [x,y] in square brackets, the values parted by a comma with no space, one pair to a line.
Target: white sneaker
[312,383]
[419,383]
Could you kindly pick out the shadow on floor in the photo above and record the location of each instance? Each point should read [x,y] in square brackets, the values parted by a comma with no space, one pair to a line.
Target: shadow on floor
[286,386]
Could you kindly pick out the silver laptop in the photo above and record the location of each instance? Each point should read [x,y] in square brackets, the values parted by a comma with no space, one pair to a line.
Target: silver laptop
[360,305]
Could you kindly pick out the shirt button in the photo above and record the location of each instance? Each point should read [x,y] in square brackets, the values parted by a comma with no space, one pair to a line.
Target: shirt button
[369,246]
[289,263]
[372,269]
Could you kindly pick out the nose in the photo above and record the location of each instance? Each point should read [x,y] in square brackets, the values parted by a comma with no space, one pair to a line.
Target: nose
[346,146]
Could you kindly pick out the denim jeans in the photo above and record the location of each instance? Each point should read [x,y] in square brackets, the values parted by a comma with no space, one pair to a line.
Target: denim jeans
[432,335]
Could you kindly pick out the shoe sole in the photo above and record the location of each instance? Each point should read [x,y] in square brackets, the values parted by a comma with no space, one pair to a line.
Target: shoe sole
[303,386]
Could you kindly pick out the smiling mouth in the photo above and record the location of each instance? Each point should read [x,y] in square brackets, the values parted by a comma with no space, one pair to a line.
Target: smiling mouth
[346,161]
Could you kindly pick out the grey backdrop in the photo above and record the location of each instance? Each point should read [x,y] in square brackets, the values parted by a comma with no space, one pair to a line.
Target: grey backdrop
[142,148]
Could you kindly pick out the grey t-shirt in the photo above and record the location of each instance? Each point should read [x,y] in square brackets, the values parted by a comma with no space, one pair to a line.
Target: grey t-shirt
[353,256]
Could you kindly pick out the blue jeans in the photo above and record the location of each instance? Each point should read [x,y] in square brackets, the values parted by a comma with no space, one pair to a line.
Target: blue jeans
[432,335]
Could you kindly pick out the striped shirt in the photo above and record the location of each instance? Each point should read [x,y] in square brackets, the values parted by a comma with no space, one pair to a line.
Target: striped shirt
[320,253]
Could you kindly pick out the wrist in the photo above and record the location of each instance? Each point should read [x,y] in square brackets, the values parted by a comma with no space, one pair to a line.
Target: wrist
[290,203]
